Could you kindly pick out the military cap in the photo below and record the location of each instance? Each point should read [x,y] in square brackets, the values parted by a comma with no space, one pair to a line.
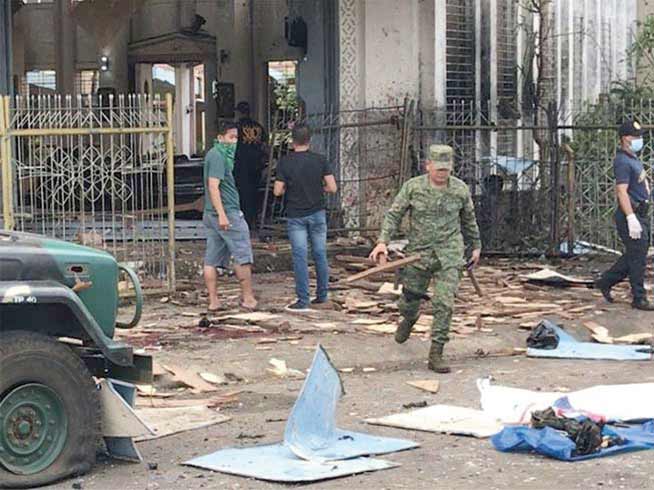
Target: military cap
[442,156]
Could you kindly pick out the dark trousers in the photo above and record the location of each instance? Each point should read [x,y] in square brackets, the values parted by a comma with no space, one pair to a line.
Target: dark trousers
[249,196]
[633,262]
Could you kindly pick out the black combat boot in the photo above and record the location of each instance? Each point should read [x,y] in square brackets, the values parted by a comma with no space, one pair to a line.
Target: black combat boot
[606,292]
[436,362]
[642,304]
[403,331]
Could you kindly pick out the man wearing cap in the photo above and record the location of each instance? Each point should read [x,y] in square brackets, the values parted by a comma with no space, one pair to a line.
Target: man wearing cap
[442,221]
[631,218]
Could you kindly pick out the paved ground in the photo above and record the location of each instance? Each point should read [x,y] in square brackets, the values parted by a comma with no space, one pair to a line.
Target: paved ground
[442,461]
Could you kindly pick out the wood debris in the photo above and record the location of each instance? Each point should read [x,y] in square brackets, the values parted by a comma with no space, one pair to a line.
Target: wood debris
[279,368]
[430,385]
[189,378]
[214,379]
[253,317]
[388,267]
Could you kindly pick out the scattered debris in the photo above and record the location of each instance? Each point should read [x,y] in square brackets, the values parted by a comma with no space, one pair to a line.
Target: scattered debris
[243,435]
[430,385]
[415,404]
[213,378]
[253,317]
[189,378]
[570,348]
[310,440]
[624,402]
[389,288]
[443,418]
[279,368]
[549,277]
[169,421]
[608,440]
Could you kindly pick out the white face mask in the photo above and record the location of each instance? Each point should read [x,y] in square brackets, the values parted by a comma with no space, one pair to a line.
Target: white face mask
[637,145]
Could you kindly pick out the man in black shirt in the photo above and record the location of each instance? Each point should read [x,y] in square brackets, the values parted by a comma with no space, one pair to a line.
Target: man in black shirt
[249,162]
[304,177]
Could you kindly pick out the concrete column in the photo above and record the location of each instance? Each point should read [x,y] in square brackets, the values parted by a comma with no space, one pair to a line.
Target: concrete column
[116,50]
[492,104]
[210,109]
[440,53]
[186,10]
[65,48]
[426,55]
[5,48]
[519,58]
[571,59]
[239,68]
[584,52]
[143,78]
[599,48]
[557,33]
[184,109]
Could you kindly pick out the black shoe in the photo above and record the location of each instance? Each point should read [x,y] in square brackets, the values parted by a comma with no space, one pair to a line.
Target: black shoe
[298,306]
[642,304]
[318,301]
[606,292]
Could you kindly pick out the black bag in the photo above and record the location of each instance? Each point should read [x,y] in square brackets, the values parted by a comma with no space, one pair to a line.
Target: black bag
[543,337]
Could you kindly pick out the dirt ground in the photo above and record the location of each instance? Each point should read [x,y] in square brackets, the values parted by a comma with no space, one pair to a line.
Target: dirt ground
[170,331]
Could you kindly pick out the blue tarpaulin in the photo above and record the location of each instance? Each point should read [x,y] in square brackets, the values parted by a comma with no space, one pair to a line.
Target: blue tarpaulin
[313,448]
[570,348]
[556,444]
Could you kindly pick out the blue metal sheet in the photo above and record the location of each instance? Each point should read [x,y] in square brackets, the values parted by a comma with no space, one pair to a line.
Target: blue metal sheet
[571,348]
[311,431]
[313,448]
[278,463]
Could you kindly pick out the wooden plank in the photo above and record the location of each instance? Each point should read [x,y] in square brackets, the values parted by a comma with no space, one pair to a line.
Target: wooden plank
[430,385]
[388,267]
[598,332]
[189,378]
[634,338]
[354,259]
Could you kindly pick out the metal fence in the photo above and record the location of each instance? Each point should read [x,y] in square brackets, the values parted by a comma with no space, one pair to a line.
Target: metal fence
[369,153]
[553,186]
[94,170]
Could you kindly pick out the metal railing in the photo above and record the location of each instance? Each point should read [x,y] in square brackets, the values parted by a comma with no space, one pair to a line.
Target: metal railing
[92,170]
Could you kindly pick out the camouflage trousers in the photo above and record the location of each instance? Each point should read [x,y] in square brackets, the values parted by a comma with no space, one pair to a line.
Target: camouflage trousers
[415,283]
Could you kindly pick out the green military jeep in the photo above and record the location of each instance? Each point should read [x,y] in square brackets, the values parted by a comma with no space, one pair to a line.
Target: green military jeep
[58,313]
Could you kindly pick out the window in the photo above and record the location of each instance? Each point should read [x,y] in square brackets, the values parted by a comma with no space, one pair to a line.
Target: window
[37,82]
[87,82]
[198,78]
[282,95]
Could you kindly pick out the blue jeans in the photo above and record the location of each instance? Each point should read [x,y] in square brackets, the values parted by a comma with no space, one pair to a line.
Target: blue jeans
[300,231]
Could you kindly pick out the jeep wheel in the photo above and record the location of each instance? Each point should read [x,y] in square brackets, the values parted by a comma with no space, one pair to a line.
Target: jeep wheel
[49,411]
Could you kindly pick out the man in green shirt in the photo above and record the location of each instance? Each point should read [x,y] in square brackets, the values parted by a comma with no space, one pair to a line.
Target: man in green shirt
[228,235]
[442,223]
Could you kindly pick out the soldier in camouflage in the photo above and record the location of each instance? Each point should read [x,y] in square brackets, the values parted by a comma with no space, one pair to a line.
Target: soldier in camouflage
[442,224]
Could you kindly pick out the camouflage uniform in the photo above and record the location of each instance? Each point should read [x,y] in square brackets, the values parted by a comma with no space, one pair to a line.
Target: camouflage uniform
[440,221]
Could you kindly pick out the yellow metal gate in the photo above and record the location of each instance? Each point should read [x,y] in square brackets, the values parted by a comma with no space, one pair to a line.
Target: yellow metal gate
[94,170]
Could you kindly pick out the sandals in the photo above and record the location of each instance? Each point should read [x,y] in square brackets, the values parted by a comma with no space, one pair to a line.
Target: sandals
[243,306]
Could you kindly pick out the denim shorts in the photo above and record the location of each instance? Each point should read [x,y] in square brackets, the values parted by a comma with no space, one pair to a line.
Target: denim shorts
[222,245]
